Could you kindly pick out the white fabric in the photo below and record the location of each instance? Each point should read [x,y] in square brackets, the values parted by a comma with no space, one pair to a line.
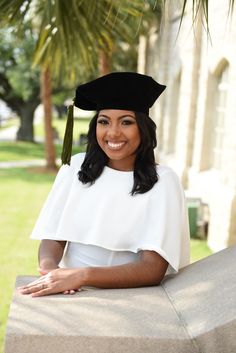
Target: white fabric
[83,255]
[105,218]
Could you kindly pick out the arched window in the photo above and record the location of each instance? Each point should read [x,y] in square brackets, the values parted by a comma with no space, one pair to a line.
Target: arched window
[174,114]
[218,116]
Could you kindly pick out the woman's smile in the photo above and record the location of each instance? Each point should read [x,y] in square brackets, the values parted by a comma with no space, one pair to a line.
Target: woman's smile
[115,145]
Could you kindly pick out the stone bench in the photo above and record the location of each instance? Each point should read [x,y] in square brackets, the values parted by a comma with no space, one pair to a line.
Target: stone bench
[192,312]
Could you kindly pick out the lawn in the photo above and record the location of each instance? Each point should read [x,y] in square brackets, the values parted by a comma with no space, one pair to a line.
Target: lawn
[18,151]
[22,192]
[24,151]
[80,127]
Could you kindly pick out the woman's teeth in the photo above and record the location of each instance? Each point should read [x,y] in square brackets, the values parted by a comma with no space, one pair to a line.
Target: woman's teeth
[115,145]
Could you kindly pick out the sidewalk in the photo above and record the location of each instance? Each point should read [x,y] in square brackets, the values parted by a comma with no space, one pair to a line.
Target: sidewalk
[8,134]
[19,164]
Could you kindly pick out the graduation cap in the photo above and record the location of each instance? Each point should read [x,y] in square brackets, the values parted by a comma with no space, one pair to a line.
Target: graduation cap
[117,90]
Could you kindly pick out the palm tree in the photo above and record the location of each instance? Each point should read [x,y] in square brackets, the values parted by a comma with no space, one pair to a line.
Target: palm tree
[203,7]
[71,33]
[70,36]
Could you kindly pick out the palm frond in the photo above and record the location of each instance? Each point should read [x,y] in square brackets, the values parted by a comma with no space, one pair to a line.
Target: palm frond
[200,6]
[71,33]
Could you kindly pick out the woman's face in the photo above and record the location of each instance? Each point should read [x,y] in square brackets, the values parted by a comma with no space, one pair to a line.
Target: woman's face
[119,137]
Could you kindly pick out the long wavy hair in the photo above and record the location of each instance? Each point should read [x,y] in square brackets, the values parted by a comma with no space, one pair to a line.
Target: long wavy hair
[145,173]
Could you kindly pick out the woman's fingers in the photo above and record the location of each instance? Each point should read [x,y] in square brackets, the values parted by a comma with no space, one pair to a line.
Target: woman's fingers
[32,288]
[41,293]
[38,291]
[37,282]
[57,281]
[71,291]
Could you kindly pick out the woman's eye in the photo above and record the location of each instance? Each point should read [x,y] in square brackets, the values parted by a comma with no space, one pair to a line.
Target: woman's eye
[127,122]
[102,122]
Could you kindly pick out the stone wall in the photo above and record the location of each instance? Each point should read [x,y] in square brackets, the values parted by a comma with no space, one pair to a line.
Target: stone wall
[191,312]
[191,65]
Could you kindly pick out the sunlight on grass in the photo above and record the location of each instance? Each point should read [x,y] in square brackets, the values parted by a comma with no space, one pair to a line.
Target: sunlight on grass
[18,150]
[198,249]
[80,127]
[24,151]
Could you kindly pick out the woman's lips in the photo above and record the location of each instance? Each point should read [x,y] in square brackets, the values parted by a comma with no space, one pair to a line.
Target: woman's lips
[115,145]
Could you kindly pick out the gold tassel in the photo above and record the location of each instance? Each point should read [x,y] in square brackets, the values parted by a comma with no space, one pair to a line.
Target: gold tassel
[68,137]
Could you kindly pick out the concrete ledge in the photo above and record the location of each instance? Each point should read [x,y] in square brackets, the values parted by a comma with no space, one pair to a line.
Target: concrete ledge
[192,312]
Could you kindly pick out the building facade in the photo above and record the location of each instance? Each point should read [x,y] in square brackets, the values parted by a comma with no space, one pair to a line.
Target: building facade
[196,116]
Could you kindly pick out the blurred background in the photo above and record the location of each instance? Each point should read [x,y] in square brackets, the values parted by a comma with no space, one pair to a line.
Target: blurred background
[47,48]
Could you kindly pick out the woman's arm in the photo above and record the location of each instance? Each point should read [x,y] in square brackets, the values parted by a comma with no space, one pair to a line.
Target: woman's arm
[50,254]
[148,271]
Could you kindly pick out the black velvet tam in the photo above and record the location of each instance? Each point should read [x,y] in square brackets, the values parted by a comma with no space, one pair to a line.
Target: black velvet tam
[119,90]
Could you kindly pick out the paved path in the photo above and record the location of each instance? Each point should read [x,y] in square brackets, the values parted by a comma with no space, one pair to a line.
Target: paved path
[19,164]
[8,134]
[25,164]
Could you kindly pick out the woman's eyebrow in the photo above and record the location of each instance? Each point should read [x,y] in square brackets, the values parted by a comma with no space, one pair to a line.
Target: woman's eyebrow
[120,117]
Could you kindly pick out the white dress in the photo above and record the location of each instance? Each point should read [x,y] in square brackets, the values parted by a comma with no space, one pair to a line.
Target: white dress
[105,226]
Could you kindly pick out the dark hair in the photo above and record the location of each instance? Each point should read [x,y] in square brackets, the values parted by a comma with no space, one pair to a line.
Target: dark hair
[145,174]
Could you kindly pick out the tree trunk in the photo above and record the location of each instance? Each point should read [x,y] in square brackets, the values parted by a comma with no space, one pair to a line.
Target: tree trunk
[26,129]
[104,63]
[46,93]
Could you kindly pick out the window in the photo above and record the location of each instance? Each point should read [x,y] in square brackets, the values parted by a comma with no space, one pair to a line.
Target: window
[172,133]
[219,113]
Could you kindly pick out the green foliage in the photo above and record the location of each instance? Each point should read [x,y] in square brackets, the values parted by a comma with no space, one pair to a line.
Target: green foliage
[17,78]
[23,79]
[61,94]
[71,33]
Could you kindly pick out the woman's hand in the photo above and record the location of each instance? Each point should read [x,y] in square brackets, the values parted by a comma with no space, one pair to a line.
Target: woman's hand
[61,280]
[148,271]
[44,271]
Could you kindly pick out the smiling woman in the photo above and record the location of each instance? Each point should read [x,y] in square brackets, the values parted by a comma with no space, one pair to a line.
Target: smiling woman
[114,218]
[118,136]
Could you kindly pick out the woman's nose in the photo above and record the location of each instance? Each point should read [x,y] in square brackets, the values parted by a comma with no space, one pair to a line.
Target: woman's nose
[114,131]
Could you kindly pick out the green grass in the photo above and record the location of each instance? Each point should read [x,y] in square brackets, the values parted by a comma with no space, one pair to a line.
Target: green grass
[198,249]
[22,193]
[80,127]
[18,151]
[21,151]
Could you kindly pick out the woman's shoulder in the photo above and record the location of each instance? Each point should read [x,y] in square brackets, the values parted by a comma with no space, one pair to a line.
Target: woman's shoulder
[162,170]
[167,175]
[77,159]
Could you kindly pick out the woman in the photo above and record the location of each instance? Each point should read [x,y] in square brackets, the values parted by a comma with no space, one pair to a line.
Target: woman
[113,219]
